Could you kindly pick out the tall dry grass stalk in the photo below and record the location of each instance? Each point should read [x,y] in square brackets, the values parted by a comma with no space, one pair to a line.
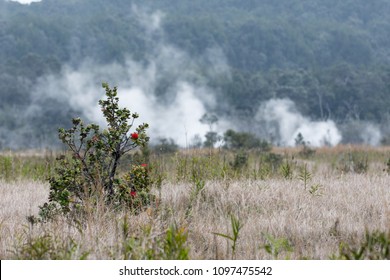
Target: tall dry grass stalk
[313,224]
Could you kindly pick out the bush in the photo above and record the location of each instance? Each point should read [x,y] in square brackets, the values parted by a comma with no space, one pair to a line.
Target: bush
[306,151]
[240,161]
[171,245]
[48,247]
[244,140]
[272,160]
[134,188]
[375,246]
[165,146]
[354,162]
[212,138]
[87,175]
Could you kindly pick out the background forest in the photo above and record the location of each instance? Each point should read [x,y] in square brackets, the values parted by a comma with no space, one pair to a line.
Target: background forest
[279,88]
[329,58]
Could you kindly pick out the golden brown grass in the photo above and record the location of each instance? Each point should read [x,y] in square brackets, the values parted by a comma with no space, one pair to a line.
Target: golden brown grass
[313,224]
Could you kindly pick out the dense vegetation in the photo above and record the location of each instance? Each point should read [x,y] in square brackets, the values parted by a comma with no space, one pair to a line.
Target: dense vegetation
[111,197]
[330,57]
[211,204]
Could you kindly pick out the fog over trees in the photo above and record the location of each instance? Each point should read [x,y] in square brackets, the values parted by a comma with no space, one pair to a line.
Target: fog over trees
[251,63]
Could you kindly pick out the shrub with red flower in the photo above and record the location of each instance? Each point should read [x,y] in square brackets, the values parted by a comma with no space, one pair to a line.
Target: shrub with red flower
[91,171]
[135,187]
[134,136]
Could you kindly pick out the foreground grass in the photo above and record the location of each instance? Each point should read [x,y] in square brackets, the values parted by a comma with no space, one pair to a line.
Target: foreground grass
[280,216]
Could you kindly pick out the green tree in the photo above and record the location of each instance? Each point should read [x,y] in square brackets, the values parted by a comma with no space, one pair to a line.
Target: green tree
[244,140]
[89,173]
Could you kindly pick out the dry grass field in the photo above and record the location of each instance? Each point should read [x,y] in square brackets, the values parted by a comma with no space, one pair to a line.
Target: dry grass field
[278,215]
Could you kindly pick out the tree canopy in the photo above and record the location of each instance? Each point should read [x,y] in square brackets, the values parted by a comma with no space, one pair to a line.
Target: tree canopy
[330,57]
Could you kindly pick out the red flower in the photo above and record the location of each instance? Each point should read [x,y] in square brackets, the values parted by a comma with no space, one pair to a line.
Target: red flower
[133,193]
[134,136]
[144,165]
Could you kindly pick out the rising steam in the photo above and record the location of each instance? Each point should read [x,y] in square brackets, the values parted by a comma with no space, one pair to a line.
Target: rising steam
[173,112]
[281,121]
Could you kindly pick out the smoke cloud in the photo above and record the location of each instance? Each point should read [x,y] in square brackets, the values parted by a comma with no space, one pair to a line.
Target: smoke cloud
[280,120]
[356,131]
[173,111]
[175,117]
[169,90]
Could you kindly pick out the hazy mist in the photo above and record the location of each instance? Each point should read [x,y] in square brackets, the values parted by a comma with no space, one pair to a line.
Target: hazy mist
[280,120]
[175,114]
[172,88]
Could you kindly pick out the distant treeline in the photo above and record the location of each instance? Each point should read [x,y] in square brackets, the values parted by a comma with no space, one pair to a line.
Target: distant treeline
[330,57]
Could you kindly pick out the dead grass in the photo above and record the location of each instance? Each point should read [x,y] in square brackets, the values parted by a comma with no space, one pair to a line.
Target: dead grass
[345,206]
[17,201]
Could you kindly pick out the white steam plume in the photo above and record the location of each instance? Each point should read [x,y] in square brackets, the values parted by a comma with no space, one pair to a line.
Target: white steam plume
[173,112]
[174,116]
[371,134]
[178,120]
[280,118]
[357,131]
